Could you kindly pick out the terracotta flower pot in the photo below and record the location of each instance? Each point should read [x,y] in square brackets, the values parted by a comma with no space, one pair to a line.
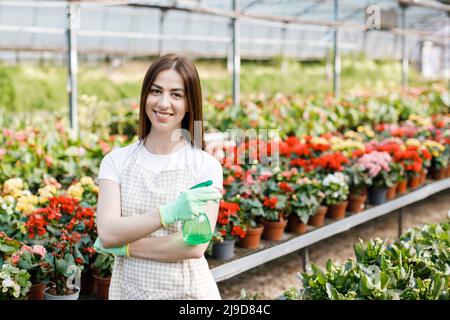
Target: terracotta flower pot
[423,177]
[36,291]
[448,170]
[273,230]
[337,211]
[252,238]
[295,225]
[402,186]
[101,287]
[356,203]
[438,174]
[87,284]
[318,219]
[414,182]
[391,192]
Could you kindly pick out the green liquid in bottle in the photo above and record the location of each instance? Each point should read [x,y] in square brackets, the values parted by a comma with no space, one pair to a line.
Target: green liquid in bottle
[197,231]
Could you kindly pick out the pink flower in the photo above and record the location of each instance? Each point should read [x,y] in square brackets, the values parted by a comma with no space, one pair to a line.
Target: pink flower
[48,161]
[26,248]
[2,153]
[265,176]
[104,146]
[20,136]
[7,133]
[374,162]
[15,258]
[40,250]
[249,178]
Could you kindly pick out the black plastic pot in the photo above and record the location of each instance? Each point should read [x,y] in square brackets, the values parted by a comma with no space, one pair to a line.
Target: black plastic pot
[223,250]
[377,195]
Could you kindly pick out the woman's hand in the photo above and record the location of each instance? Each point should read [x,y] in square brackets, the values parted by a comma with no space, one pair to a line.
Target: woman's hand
[117,251]
[188,205]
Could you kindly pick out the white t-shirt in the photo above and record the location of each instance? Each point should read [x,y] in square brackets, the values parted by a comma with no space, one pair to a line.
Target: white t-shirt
[204,166]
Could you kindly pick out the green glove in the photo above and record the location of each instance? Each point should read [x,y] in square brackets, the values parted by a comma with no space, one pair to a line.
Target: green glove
[117,251]
[189,204]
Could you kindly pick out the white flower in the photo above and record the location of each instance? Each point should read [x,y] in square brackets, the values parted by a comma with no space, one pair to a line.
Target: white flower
[8,282]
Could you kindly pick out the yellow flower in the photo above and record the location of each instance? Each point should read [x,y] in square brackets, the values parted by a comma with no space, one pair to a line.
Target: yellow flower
[26,204]
[43,200]
[86,181]
[413,142]
[12,185]
[48,191]
[23,228]
[353,135]
[319,140]
[335,140]
[366,130]
[95,189]
[76,191]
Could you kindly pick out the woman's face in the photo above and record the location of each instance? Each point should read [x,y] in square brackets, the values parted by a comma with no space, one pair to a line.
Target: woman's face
[166,103]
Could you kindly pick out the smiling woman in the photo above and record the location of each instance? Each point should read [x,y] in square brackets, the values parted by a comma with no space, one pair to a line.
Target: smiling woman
[145,192]
[166,101]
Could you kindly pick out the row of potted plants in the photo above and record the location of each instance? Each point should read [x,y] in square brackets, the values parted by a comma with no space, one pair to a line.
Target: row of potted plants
[33,148]
[46,241]
[315,180]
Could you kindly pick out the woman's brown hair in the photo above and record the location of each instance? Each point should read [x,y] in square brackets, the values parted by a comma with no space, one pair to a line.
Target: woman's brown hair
[194,104]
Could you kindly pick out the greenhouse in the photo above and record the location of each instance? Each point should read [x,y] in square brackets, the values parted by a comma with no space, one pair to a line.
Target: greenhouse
[225,150]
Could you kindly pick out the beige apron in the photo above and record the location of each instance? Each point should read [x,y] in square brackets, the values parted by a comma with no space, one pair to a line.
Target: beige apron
[141,191]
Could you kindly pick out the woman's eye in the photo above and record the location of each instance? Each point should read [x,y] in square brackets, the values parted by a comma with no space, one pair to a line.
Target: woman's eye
[155,91]
[176,95]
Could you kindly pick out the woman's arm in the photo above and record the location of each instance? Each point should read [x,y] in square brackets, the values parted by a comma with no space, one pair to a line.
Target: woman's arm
[172,247]
[115,230]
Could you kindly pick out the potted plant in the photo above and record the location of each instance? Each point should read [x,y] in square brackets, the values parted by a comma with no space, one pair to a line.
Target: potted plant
[14,283]
[251,207]
[358,180]
[395,176]
[336,193]
[229,228]
[306,202]
[275,205]
[412,163]
[247,195]
[377,165]
[439,160]
[102,271]
[273,220]
[32,259]
[67,263]
[67,229]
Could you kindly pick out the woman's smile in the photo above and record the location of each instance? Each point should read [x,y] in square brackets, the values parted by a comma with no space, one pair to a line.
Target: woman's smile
[162,116]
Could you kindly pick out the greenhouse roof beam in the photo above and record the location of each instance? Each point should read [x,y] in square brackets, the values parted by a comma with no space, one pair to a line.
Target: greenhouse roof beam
[276,19]
[288,20]
[426,4]
[420,3]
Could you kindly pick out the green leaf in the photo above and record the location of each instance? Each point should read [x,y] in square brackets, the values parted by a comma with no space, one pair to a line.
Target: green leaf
[61,266]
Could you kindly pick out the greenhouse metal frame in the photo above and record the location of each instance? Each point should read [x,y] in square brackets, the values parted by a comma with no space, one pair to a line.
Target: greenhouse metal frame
[333,19]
